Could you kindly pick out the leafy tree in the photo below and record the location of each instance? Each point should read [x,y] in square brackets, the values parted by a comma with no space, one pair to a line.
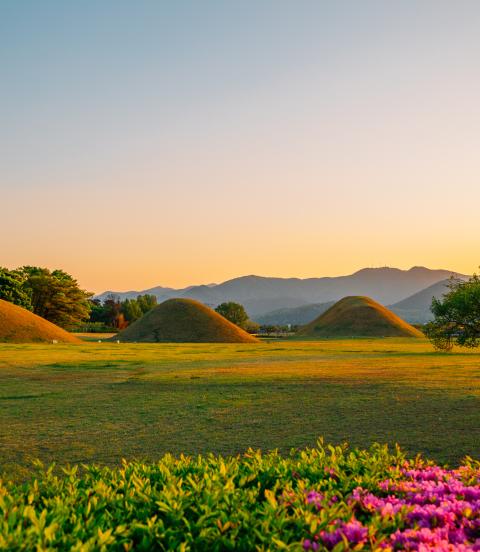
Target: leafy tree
[97,311]
[146,302]
[457,315]
[233,312]
[112,308]
[56,296]
[114,313]
[131,310]
[12,288]
[251,327]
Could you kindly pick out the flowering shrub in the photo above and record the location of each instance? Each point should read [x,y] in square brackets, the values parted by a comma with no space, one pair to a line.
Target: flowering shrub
[326,498]
[429,508]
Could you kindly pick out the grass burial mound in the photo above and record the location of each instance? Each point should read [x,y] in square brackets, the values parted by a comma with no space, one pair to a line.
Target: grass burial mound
[184,321]
[359,317]
[18,325]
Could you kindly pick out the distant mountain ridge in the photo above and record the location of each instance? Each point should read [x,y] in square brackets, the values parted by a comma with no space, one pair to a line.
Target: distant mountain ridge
[416,308]
[260,294]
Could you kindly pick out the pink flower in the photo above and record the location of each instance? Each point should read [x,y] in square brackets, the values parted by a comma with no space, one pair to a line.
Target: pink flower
[315,498]
[353,531]
[439,510]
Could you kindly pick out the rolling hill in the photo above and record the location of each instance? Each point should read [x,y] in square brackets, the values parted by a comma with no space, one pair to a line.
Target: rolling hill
[183,321]
[358,317]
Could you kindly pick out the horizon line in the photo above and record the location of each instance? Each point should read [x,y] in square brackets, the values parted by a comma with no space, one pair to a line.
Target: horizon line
[212,284]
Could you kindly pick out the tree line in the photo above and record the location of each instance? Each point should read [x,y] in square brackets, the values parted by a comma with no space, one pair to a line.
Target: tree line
[54,295]
[236,313]
[112,313]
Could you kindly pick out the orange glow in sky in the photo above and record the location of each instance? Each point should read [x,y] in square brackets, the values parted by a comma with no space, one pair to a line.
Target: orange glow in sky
[171,144]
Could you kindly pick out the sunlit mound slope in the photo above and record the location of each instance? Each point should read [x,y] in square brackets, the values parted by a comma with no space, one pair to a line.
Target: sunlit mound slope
[359,317]
[184,321]
[18,325]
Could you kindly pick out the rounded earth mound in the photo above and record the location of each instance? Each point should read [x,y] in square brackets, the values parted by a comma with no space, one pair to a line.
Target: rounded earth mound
[359,317]
[18,325]
[184,321]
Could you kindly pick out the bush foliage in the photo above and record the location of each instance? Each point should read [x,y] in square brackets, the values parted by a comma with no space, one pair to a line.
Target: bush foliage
[251,502]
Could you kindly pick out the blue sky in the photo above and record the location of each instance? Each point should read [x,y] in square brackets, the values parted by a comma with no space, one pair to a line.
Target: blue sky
[148,143]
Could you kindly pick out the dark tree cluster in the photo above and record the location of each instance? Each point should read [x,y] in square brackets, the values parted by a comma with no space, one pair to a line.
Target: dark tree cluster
[115,314]
[12,288]
[53,295]
[456,316]
[276,329]
[236,313]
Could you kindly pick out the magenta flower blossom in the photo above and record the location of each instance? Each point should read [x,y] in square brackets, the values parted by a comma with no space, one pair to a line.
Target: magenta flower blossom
[315,498]
[310,545]
[428,508]
[352,531]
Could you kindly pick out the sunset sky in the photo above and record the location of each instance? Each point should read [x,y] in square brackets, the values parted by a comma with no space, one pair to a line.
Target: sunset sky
[175,143]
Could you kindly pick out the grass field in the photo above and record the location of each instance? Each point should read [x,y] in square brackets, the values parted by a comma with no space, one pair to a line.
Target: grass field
[99,402]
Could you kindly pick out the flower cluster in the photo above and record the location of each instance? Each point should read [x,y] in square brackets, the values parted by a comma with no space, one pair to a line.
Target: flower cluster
[352,532]
[426,508]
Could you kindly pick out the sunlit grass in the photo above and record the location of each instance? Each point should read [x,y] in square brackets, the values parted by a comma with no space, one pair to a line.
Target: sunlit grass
[99,402]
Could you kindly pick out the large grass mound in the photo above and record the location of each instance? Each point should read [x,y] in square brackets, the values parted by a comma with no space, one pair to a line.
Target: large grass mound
[184,321]
[359,317]
[18,325]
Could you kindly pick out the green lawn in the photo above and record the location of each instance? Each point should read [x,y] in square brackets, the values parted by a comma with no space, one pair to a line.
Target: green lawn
[99,402]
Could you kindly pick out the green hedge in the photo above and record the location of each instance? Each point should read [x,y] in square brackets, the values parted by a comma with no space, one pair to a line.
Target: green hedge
[250,502]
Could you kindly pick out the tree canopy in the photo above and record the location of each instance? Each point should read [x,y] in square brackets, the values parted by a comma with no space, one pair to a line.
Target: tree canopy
[118,314]
[56,296]
[234,312]
[12,288]
[456,315]
[53,295]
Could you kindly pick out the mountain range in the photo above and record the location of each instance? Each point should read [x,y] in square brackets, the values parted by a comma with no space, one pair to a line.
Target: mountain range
[416,308]
[263,295]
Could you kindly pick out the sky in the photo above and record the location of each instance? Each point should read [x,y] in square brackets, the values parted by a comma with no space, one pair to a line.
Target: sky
[173,143]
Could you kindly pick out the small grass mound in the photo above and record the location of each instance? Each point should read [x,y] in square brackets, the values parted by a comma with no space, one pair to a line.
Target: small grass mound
[184,321]
[18,325]
[359,317]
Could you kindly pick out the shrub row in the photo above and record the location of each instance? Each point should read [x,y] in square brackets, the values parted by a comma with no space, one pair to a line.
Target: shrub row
[325,498]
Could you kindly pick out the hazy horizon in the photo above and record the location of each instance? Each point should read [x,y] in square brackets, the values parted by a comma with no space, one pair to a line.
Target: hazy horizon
[212,283]
[154,143]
